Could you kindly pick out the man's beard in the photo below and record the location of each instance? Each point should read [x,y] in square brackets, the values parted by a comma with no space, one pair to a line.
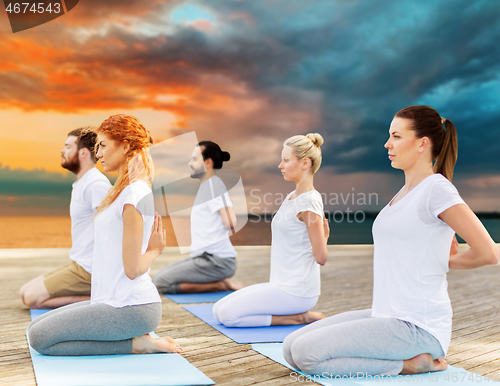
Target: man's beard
[73,165]
[198,174]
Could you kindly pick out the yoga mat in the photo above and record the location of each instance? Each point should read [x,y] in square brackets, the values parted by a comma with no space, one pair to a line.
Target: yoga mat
[114,370]
[451,376]
[35,313]
[242,334]
[205,297]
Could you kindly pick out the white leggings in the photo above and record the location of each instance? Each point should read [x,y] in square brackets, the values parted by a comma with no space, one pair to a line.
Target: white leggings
[254,306]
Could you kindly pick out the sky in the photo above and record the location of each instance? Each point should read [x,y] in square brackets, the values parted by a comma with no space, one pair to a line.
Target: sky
[248,74]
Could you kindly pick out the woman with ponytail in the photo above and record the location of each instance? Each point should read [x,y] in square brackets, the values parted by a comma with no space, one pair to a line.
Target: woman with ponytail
[124,304]
[408,328]
[298,248]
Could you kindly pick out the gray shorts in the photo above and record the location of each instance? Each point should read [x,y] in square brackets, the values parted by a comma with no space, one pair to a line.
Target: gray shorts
[205,268]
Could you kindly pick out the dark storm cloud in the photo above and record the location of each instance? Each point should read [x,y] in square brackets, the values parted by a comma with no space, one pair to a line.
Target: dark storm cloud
[341,68]
[369,60]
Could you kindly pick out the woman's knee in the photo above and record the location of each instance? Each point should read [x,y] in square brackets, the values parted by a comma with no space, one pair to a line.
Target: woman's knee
[302,355]
[292,337]
[287,350]
[215,311]
[219,309]
[132,321]
[154,316]
[223,315]
[226,319]
[37,338]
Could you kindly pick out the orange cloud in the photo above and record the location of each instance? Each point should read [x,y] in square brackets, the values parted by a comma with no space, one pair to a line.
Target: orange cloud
[102,60]
[32,140]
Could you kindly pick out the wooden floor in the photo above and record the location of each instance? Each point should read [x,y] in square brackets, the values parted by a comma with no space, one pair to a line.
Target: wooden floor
[346,285]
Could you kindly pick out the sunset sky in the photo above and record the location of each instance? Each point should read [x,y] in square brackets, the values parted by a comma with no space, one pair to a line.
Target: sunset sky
[248,74]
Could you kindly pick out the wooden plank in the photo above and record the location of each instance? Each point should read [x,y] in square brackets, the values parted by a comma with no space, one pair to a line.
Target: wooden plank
[347,282]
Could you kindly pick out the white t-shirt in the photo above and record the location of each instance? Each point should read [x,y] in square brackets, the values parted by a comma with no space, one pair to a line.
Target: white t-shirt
[293,267]
[109,284]
[87,194]
[411,258]
[207,230]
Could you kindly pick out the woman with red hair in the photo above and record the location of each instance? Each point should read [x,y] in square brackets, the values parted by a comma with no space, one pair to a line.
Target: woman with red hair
[124,305]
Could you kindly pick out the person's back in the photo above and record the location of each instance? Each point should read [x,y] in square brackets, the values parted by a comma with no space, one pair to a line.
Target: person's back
[208,232]
[86,196]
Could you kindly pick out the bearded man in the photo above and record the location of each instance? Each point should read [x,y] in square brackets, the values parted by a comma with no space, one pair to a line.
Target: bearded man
[71,283]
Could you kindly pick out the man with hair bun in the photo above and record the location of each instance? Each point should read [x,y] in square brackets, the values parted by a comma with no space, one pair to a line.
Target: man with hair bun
[71,283]
[212,259]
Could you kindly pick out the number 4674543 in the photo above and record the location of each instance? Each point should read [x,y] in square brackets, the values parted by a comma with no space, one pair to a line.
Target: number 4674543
[34,7]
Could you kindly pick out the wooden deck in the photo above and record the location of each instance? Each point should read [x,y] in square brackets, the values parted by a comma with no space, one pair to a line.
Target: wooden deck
[346,285]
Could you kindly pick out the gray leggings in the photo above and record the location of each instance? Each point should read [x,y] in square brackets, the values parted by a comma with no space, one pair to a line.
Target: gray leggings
[92,329]
[353,342]
[205,268]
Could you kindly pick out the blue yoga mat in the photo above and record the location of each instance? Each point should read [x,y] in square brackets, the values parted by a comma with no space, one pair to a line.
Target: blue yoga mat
[451,376]
[205,297]
[242,334]
[115,370]
[36,313]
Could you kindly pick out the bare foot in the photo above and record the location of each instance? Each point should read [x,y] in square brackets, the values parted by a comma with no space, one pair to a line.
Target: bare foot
[311,316]
[423,363]
[232,285]
[146,344]
[304,318]
[221,285]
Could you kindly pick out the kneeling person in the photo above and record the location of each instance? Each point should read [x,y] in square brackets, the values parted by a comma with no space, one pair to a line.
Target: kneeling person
[71,283]
[212,259]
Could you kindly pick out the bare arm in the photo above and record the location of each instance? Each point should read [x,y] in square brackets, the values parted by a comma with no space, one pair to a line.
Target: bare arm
[483,250]
[228,217]
[318,234]
[134,263]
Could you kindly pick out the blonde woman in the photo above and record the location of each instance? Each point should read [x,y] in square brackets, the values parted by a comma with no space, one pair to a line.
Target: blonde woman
[408,328]
[124,304]
[299,238]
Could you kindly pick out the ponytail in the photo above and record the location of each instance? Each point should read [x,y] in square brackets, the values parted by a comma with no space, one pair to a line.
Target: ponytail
[447,158]
[426,122]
